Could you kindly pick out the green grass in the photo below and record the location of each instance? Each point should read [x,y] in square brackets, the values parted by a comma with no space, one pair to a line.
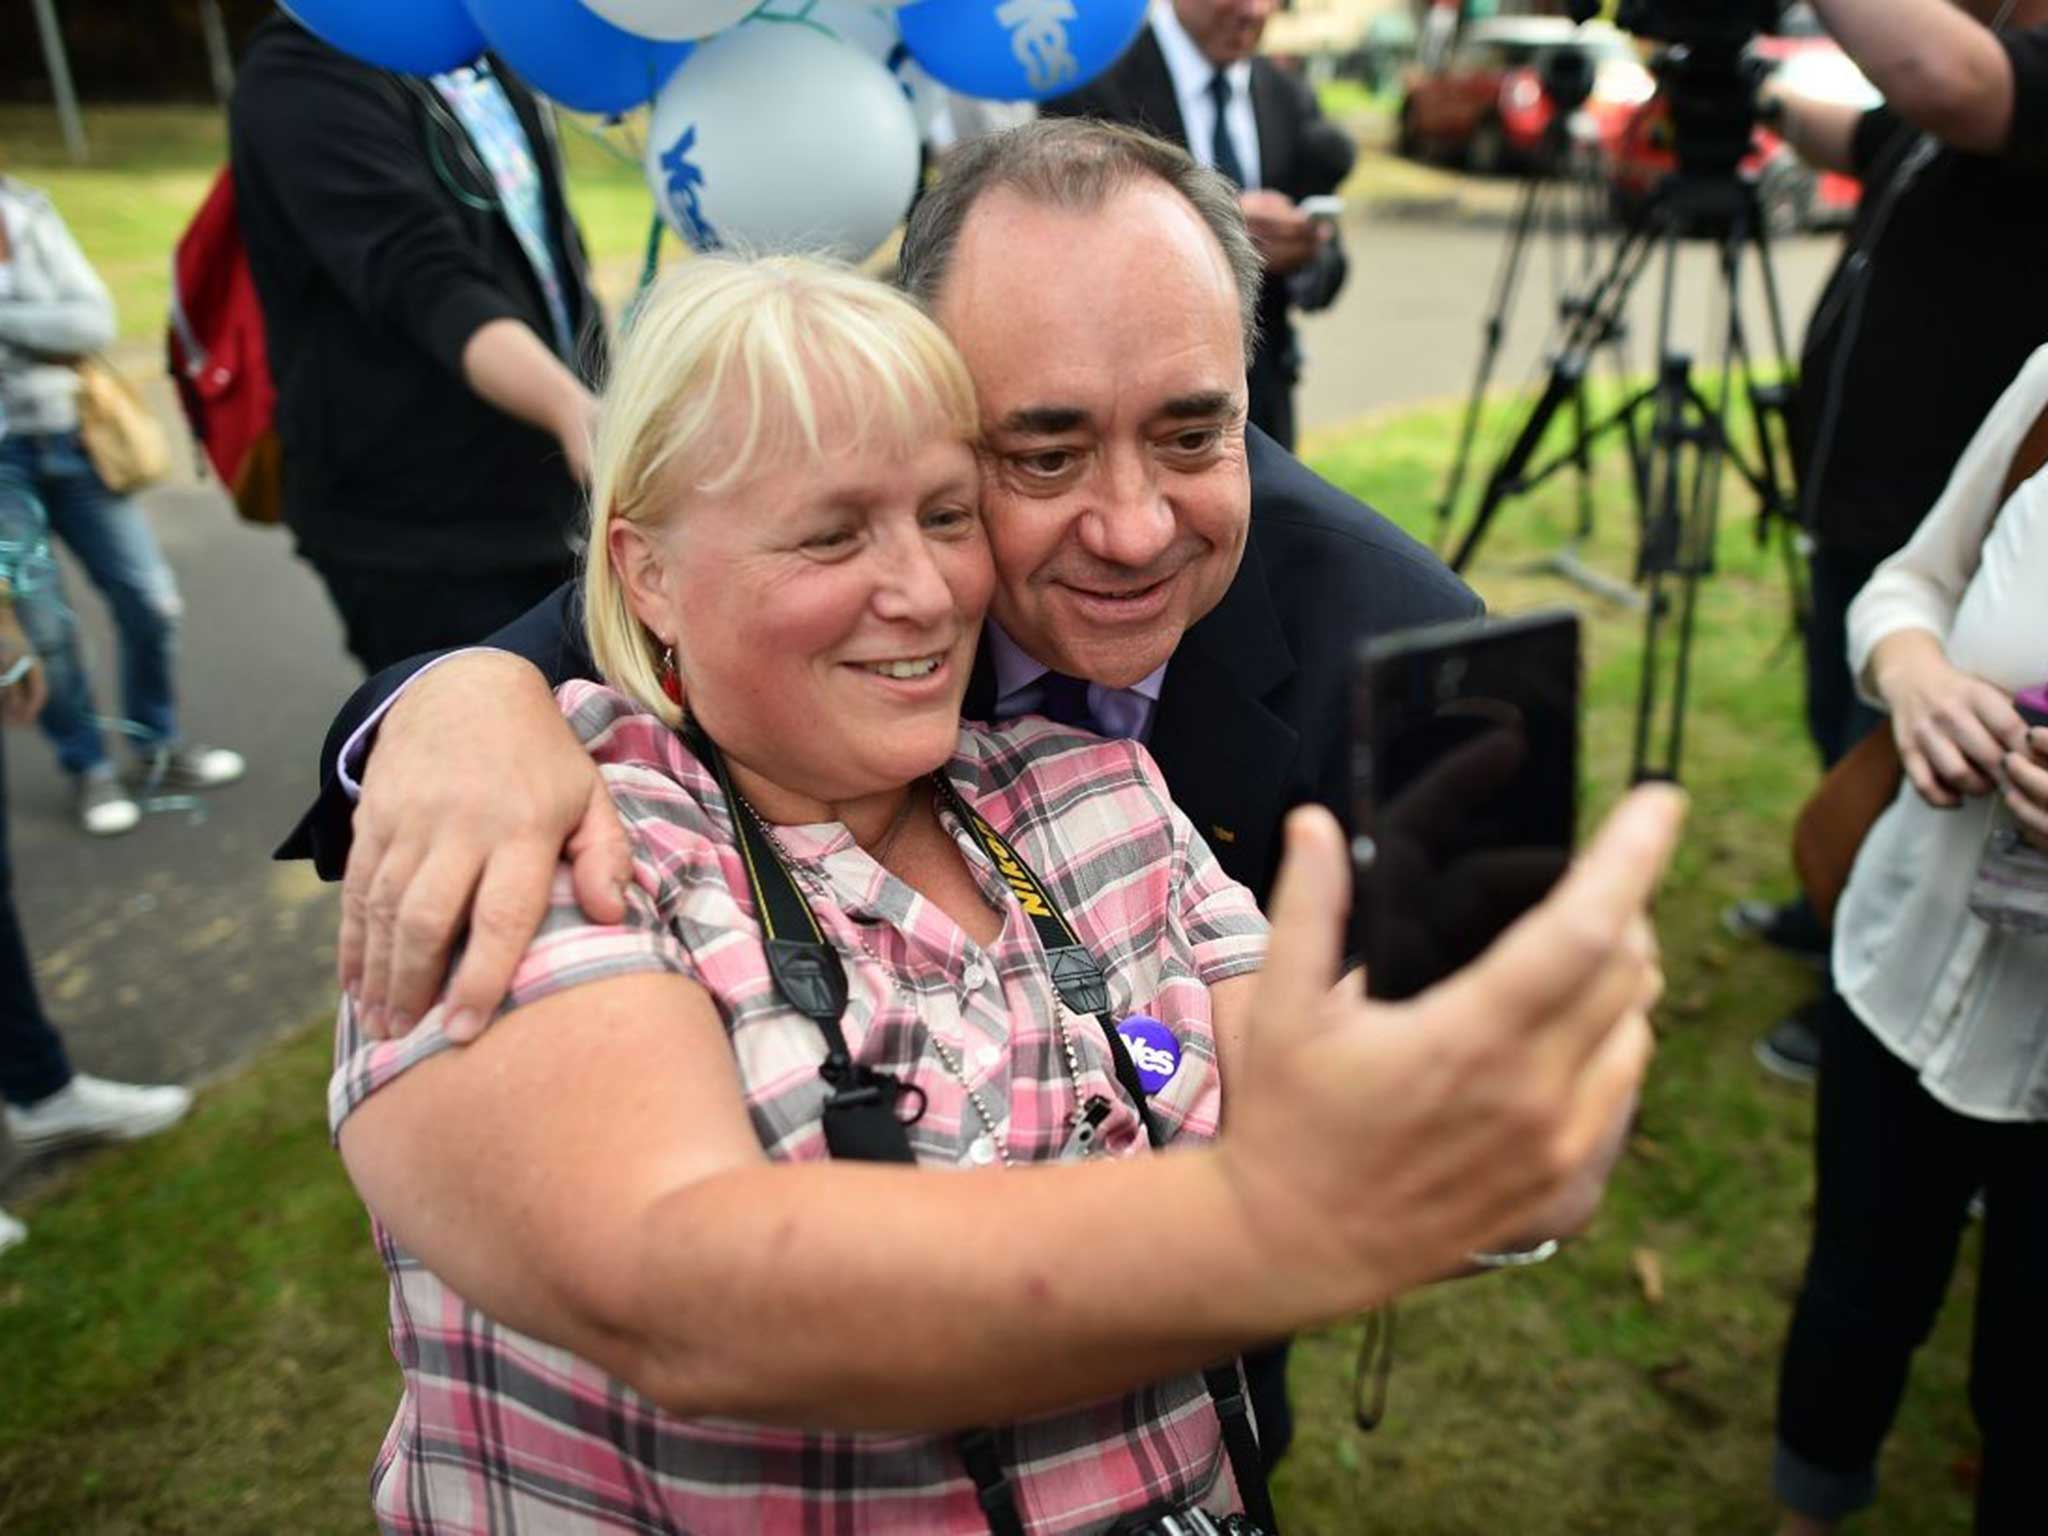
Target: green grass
[193,1338]
[1352,101]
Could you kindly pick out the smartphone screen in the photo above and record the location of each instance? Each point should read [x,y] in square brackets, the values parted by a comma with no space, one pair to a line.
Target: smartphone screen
[1465,767]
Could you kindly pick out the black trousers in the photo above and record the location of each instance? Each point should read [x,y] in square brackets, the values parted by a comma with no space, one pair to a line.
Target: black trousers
[1896,1173]
[32,1061]
[390,615]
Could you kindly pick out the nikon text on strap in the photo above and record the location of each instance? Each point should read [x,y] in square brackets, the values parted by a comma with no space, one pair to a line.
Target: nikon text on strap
[863,1112]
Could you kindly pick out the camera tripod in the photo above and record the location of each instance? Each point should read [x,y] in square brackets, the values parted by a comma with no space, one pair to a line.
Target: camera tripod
[1675,456]
[1565,198]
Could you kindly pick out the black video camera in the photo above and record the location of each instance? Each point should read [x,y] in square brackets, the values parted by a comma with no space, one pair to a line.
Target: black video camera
[1701,65]
[1719,25]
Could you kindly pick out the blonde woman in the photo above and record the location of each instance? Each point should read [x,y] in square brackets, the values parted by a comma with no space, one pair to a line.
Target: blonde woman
[658,1260]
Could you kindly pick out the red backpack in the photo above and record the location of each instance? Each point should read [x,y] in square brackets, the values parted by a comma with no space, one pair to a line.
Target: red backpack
[219,356]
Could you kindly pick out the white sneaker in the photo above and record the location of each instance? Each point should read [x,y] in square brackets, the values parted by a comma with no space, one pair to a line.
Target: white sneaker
[191,767]
[11,1232]
[104,807]
[93,1109]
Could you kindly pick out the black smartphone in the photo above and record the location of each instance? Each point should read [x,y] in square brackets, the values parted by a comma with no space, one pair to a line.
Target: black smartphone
[1465,764]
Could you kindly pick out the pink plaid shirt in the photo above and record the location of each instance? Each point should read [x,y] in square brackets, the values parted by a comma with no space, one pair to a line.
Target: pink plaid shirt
[497,1431]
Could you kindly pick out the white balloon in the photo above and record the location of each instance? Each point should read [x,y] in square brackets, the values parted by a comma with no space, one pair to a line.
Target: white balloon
[870,28]
[673,21]
[776,137]
[873,30]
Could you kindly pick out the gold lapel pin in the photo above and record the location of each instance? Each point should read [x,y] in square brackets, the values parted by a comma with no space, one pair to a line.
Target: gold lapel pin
[1222,834]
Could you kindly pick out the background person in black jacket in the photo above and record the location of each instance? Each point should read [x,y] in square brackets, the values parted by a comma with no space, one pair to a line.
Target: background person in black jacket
[432,334]
[1193,77]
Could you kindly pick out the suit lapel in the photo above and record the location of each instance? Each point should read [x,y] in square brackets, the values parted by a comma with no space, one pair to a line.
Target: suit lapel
[1151,86]
[1229,759]
[1275,125]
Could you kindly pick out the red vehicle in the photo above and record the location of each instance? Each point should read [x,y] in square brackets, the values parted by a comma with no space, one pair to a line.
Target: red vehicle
[1484,103]
[1794,195]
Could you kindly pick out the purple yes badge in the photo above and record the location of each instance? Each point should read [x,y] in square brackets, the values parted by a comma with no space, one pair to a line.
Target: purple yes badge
[2033,703]
[1154,1051]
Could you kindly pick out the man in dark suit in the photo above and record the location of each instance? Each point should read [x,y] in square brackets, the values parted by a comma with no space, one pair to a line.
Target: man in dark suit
[1194,77]
[1163,572]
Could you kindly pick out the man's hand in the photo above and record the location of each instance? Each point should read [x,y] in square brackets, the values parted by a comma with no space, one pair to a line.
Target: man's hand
[1953,730]
[1822,133]
[2026,792]
[1286,237]
[475,792]
[1376,1145]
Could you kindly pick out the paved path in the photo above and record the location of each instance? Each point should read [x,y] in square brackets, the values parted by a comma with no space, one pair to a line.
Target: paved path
[171,952]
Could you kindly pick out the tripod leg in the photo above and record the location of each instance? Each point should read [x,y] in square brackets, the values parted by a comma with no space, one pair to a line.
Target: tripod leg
[1698,530]
[1592,325]
[1507,475]
[1583,456]
[1670,436]
[1505,283]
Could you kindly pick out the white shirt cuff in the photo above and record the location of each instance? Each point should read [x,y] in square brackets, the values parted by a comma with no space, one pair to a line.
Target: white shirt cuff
[348,766]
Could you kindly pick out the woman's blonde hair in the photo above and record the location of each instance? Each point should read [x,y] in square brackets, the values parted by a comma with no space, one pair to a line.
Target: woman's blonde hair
[731,367]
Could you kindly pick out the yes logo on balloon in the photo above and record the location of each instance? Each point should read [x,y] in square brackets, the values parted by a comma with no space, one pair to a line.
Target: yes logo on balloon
[682,181]
[1038,37]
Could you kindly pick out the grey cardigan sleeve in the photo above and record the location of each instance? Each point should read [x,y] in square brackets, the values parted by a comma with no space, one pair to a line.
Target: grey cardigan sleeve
[61,309]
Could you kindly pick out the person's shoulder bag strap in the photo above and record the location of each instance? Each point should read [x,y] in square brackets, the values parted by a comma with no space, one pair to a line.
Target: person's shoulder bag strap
[1085,991]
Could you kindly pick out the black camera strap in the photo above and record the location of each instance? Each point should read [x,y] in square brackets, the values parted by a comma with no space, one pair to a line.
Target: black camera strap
[864,1111]
[1075,975]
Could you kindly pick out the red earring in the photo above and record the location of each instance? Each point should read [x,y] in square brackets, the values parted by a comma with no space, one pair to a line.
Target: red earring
[671,684]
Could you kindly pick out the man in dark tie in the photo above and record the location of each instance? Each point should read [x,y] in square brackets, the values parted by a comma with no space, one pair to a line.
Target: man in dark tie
[1193,77]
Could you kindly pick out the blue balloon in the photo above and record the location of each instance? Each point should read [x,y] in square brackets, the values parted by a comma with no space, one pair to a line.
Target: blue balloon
[414,37]
[1019,50]
[568,52]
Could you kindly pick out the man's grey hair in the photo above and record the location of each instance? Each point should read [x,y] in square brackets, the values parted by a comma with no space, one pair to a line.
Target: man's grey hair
[1075,165]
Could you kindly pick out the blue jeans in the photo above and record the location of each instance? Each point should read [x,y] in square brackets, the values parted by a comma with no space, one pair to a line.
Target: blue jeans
[112,540]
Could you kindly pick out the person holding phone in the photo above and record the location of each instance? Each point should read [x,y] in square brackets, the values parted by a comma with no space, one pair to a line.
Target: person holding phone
[1194,76]
[1165,572]
[1934,1055]
[775,1245]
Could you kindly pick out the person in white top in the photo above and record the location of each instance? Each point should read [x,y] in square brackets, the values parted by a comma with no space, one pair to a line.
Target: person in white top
[1934,1059]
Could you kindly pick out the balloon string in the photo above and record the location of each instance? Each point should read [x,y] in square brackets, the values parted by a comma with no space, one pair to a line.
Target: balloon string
[801,18]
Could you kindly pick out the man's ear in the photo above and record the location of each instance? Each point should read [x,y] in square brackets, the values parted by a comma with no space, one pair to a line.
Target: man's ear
[644,575]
